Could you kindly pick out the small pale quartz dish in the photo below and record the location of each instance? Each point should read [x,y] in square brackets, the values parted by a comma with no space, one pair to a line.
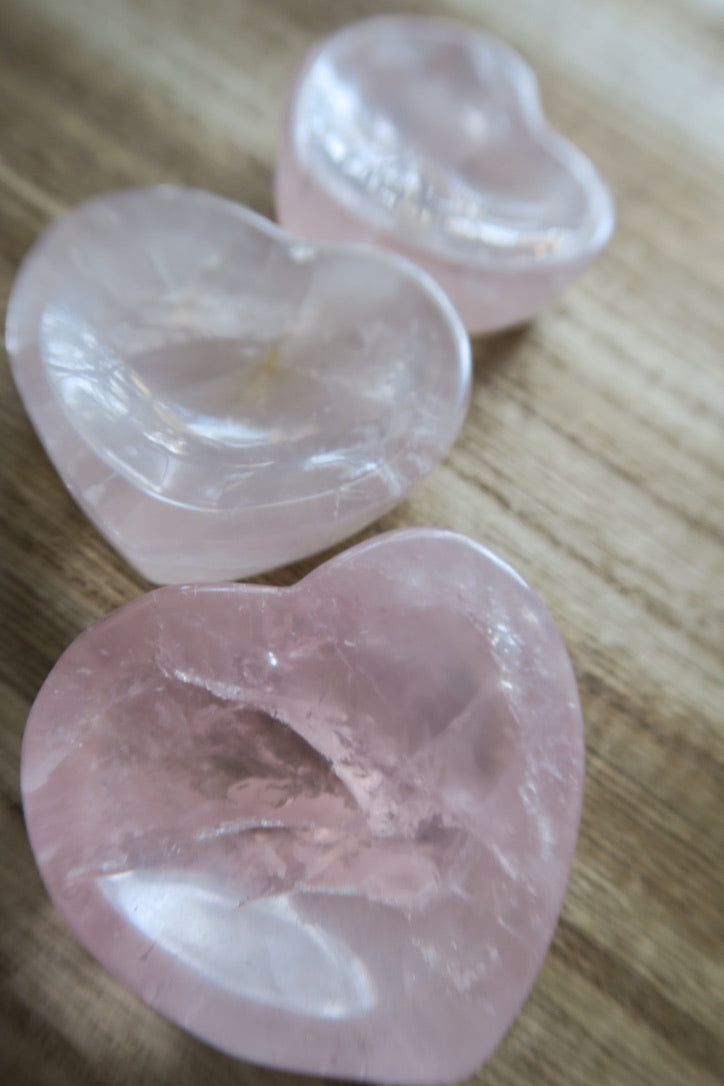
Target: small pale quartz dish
[328,827]
[221,398]
[427,137]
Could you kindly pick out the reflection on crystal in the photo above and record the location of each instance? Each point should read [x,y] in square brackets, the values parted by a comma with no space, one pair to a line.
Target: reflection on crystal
[261,950]
[326,827]
[428,136]
[220,398]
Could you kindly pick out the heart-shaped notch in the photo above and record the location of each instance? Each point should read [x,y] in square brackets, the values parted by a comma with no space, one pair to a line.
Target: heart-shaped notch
[427,136]
[327,828]
[220,398]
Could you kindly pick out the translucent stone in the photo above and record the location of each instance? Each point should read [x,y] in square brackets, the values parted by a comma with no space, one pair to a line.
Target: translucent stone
[427,137]
[220,398]
[326,828]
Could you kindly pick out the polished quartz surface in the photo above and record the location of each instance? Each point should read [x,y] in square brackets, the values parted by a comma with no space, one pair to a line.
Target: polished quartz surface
[428,137]
[327,828]
[221,398]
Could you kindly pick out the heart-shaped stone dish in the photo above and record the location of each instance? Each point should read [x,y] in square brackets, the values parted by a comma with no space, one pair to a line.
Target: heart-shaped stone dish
[220,398]
[329,827]
[427,136]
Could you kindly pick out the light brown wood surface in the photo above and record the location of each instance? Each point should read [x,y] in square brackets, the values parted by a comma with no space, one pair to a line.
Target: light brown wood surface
[591,460]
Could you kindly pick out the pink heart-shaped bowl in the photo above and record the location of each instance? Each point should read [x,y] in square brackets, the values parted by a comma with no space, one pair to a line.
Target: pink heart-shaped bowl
[328,827]
[427,136]
[219,398]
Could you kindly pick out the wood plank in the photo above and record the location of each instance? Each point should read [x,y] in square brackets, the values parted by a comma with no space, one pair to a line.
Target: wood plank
[591,460]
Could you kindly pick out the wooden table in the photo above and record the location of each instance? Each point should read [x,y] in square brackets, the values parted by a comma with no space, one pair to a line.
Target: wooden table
[591,460]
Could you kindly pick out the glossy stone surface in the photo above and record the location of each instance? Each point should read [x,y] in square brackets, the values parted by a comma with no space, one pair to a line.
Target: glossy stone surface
[427,136]
[220,398]
[329,827]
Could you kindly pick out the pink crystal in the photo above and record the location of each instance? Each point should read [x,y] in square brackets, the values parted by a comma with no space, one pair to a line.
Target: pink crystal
[427,137]
[326,828]
[219,398]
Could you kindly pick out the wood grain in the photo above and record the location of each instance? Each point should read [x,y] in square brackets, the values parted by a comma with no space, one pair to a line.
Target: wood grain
[591,459]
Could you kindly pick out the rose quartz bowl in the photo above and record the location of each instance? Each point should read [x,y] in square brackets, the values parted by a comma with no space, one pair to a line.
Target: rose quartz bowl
[219,398]
[427,137]
[327,828]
